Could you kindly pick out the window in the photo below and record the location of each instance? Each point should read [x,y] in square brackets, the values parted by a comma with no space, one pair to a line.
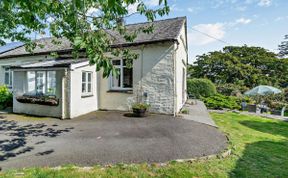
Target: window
[8,77]
[124,78]
[86,83]
[41,82]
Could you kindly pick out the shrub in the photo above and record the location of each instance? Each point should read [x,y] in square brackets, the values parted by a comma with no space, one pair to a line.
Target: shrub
[6,98]
[230,89]
[200,88]
[220,101]
[140,106]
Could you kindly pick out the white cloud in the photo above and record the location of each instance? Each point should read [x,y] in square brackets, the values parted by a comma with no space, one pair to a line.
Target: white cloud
[216,30]
[261,3]
[265,3]
[203,34]
[243,21]
[281,18]
[132,8]
[92,11]
[194,10]
[152,2]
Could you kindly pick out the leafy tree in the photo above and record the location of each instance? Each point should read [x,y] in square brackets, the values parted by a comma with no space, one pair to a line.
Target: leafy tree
[83,22]
[283,47]
[247,66]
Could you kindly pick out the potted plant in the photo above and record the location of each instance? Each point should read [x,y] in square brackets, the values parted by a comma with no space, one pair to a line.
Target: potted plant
[139,109]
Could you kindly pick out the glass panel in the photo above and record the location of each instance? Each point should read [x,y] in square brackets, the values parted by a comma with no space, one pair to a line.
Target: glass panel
[116,81]
[7,78]
[116,62]
[89,87]
[83,76]
[127,77]
[51,82]
[83,87]
[40,82]
[89,76]
[11,78]
[31,82]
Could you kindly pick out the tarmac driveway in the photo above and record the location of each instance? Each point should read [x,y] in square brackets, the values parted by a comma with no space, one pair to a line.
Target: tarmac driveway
[103,138]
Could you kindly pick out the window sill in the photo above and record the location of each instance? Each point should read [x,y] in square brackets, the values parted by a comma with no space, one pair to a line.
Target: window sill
[86,95]
[120,91]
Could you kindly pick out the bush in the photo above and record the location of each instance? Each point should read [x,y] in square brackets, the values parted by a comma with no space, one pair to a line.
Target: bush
[200,88]
[6,98]
[219,101]
[140,106]
[230,89]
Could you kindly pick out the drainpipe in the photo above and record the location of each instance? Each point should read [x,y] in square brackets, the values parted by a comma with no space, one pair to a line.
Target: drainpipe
[141,74]
[175,73]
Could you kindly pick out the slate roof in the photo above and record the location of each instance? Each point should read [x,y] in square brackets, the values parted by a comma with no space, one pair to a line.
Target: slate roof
[164,30]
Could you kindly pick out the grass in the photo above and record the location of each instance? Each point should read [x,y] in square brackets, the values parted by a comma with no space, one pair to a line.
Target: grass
[259,149]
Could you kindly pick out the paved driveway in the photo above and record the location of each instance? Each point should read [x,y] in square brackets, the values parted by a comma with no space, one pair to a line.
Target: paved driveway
[103,138]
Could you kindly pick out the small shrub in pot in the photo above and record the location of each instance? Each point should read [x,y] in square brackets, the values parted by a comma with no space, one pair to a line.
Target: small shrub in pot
[139,109]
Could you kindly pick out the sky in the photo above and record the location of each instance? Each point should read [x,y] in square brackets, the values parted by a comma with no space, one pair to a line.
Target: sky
[213,24]
[260,23]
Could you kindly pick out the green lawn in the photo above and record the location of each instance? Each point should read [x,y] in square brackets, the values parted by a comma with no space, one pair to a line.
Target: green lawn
[259,149]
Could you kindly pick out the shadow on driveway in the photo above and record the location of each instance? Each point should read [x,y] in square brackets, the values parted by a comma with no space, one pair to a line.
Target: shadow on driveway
[110,137]
[13,139]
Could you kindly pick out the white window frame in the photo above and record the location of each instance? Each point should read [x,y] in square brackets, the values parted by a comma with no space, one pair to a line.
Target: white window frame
[45,80]
[10,77]
[86,83]
[121,67]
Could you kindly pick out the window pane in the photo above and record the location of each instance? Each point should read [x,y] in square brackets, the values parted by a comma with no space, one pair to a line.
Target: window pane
[116,62]
[7,78]
[127,77]
[11,78]
[89,76]
[116,82]
[83,76]
[89,87]
[83,87]
[31,82]
[40,82]
[51,82]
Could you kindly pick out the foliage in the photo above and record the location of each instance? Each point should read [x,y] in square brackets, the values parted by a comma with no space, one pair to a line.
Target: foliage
[242,65]
[6,97]
[200,88]
[283,47]
[185,111]
[140,106]
[230,89]
[83,23]
[219,101]
[259,149]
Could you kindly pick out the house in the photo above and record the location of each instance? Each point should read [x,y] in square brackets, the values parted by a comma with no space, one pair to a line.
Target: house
[72,87]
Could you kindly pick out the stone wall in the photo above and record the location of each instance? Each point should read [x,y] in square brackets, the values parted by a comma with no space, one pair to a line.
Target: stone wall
[157,85]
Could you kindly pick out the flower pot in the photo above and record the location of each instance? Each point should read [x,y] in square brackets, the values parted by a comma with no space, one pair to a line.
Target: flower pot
[139,112]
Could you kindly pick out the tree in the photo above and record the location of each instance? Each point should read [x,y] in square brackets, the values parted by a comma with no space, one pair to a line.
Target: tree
[247,66]
[283,47]
[83,22]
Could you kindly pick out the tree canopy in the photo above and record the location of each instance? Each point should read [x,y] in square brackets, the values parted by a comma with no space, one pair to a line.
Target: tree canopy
[283,47]
[242,65]
[82,22]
